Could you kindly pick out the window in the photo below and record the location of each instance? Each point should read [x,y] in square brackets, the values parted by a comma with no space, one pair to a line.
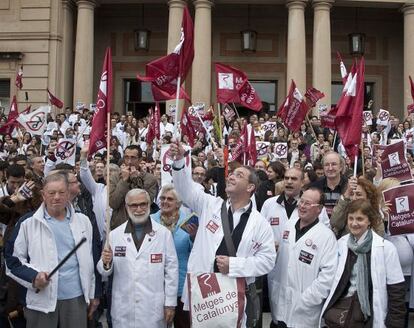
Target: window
[4,95]
[337,88]
[138,98]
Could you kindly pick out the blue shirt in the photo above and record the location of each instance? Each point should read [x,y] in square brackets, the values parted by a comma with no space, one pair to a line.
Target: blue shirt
[69,282]
[183,247]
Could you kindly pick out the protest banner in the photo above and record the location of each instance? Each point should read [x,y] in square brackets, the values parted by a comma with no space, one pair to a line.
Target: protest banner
[281,150]
[367,114]
[261,149]
[216,300]
[167,161]
[65,151]
[269,126]
[383,117]
[394,164]
[401,209]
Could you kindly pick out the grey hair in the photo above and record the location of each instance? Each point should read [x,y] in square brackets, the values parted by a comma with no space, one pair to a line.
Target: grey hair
[170,187]
[56,176]
[136,192]
[114,169]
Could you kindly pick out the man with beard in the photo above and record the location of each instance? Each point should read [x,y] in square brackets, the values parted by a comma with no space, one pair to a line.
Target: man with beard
[142,258]
[250,232]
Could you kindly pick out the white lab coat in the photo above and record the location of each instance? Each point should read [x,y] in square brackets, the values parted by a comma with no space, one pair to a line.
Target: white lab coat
[385,270]
[274,212]
[144,281]
[304,274]
[256,253]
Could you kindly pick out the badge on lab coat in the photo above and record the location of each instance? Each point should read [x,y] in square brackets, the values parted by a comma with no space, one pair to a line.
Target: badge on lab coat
[120,251]
[212,226]
[156,258]
[305,257]
[274,221]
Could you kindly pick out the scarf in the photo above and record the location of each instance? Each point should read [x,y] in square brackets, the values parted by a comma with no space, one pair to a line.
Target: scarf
[361,267]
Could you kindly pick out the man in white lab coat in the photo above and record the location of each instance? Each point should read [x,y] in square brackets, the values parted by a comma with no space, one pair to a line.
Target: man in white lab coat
[305,267]
[144,264]
[278,211]
[251,233]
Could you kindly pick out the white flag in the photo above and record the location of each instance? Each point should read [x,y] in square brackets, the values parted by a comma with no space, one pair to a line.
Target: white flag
[65,151]
[35,122]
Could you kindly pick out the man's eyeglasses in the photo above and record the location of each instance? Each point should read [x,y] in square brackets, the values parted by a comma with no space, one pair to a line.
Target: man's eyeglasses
[134,206]
[306,203]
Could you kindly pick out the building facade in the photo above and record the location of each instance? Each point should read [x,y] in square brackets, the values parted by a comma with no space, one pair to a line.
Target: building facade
[61,45]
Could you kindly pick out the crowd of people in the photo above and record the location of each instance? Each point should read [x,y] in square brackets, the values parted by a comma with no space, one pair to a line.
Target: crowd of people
[310,238]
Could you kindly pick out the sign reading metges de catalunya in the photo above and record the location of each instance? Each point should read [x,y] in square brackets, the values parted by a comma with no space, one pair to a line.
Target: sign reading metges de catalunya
[216,300]
[401,209]
[394,163]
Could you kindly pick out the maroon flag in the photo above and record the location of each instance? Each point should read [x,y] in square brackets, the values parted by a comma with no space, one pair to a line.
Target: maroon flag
[187,128]
[234,87]
[157,121]
[185,49]
[401,209]
[19,78]
[344,73]
[313,95]
[294,109]
[163,73]
[349,118]
[252,148]
[410,108]
[241,145]
[53,100]
[11,119]
[328,118]
[103,107]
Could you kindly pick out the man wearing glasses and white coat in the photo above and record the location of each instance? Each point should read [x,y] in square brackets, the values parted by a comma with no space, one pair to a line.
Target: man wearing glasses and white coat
[251,234]
[305,266]
[143,261]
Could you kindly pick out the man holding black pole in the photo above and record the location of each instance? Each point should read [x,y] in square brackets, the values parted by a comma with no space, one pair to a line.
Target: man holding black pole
[251,235]
[36,247]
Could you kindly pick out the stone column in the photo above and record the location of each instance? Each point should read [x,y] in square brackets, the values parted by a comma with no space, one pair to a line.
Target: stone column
[201,69]
[296,44]
[176,9]
[84,50]
[67,52]
[408,11]
[321,68]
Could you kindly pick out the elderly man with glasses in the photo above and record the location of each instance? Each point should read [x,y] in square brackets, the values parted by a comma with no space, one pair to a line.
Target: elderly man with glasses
[305,267]
[142,258]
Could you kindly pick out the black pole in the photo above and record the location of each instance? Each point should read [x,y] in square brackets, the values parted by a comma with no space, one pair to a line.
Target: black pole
[64,260]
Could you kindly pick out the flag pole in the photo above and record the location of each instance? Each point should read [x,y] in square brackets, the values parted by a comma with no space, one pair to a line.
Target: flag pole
[310,125]
[220,125]
[363,158]
[334,139]
[356,162]
[107,210]
[176,133]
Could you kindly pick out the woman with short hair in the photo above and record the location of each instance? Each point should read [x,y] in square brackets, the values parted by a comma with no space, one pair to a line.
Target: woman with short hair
[369,288]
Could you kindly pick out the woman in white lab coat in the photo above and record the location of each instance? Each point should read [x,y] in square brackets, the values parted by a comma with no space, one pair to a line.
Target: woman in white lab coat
[369,288]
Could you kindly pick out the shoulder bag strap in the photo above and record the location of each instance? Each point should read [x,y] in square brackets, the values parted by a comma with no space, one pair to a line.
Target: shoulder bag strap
[226,230]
